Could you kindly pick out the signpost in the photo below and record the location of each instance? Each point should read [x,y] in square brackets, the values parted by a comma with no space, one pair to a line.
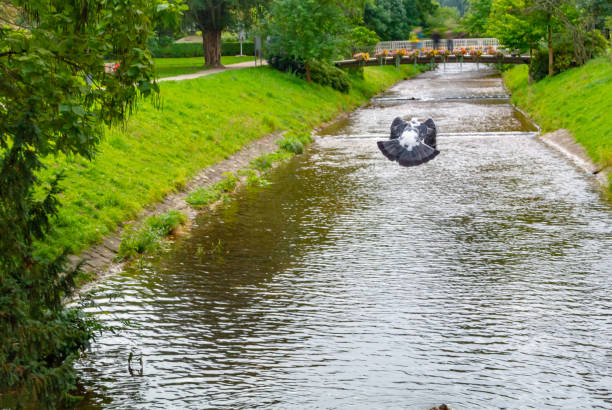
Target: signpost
[241,38]
[258,52]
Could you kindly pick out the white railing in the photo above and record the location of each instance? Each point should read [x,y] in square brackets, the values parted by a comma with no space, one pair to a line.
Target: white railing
[428,43]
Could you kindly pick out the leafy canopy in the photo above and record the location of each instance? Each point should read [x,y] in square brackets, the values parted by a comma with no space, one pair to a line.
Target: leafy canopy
[309,30]
[56,96]
[394,19]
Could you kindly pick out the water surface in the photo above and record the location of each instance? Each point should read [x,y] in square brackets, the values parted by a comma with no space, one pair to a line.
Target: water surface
[481,279]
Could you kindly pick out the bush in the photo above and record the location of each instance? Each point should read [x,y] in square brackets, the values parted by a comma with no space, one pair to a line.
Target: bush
[156,43]
[287,64]
[320,72]
[356,72]
[177,50]
[563,50]
[328,74]
[294,143]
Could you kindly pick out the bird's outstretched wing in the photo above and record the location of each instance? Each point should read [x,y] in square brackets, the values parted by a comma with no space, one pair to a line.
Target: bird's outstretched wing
[418,155]
[431,133]
[397,127]
[410,152]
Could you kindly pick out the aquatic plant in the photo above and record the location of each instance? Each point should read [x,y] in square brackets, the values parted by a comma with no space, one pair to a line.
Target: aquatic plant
[148,237]
[202,197]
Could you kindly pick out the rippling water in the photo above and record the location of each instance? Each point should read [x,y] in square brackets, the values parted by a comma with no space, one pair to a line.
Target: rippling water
[481,279]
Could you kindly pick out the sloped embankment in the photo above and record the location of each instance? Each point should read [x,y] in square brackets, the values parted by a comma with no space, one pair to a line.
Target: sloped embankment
[577,100]
[203,122]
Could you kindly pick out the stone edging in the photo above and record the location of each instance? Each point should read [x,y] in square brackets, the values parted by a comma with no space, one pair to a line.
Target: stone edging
[563,141]
[100,258]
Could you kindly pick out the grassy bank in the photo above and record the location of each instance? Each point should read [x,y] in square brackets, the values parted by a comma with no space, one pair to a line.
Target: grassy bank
[578,100]
[169,67]
[202,122]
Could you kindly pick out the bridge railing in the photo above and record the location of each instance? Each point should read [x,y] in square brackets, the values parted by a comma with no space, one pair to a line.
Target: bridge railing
[428,43]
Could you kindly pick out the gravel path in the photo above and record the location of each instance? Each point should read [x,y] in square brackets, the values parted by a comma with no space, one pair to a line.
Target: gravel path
[203,73]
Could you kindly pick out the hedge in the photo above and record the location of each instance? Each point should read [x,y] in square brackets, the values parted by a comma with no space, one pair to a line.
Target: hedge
[195,49]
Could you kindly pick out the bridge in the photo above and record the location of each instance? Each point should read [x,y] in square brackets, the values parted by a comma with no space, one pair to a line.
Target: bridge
[502,57]
[422,59]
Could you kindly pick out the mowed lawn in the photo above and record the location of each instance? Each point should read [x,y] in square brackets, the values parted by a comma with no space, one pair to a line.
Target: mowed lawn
[170,67]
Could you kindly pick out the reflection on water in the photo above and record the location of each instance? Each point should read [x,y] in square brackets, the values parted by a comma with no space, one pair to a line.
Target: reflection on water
[480,279]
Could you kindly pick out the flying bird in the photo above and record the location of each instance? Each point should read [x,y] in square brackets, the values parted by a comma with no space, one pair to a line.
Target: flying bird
[411,143]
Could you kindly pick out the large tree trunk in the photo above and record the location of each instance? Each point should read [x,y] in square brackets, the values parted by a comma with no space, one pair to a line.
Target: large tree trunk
[551,70]
[211,41]
[308,78]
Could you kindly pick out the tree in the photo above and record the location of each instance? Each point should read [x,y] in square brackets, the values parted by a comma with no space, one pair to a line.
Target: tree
[517,24]
[476,20]
[462,6]
[444,18]
[394,19]
[310,30]
[362,36]
[566,13]
[388,19]
[594,13]
[56,96]
[214,16]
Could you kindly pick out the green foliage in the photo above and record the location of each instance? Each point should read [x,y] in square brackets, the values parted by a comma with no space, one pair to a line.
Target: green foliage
[460,5]
[518,24]
[327,74]
[577,99]
[177,50]
[294,143]
[199,126]
[564,54]
[148,238]
[388,19]
[444,18]
[203,197]
[55,96]
[214,16]
[476,21]
[309,30]
[321,72]
[394,19]
[253,178]
[266,161]
[362,36]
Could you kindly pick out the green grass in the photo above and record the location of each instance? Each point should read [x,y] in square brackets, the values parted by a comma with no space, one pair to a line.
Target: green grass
[170,67]
[578,100]
[148,237]
[289,146]
[159,150]
[205,196]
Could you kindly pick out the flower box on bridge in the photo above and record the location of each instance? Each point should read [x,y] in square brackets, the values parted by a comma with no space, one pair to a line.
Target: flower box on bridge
[425,59]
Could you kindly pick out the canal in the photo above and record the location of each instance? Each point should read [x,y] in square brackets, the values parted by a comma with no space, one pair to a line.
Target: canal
[482,279]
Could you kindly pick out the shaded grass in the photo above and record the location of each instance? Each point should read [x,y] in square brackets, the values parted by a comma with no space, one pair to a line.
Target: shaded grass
[202,122]
[170,67]
[578,100]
